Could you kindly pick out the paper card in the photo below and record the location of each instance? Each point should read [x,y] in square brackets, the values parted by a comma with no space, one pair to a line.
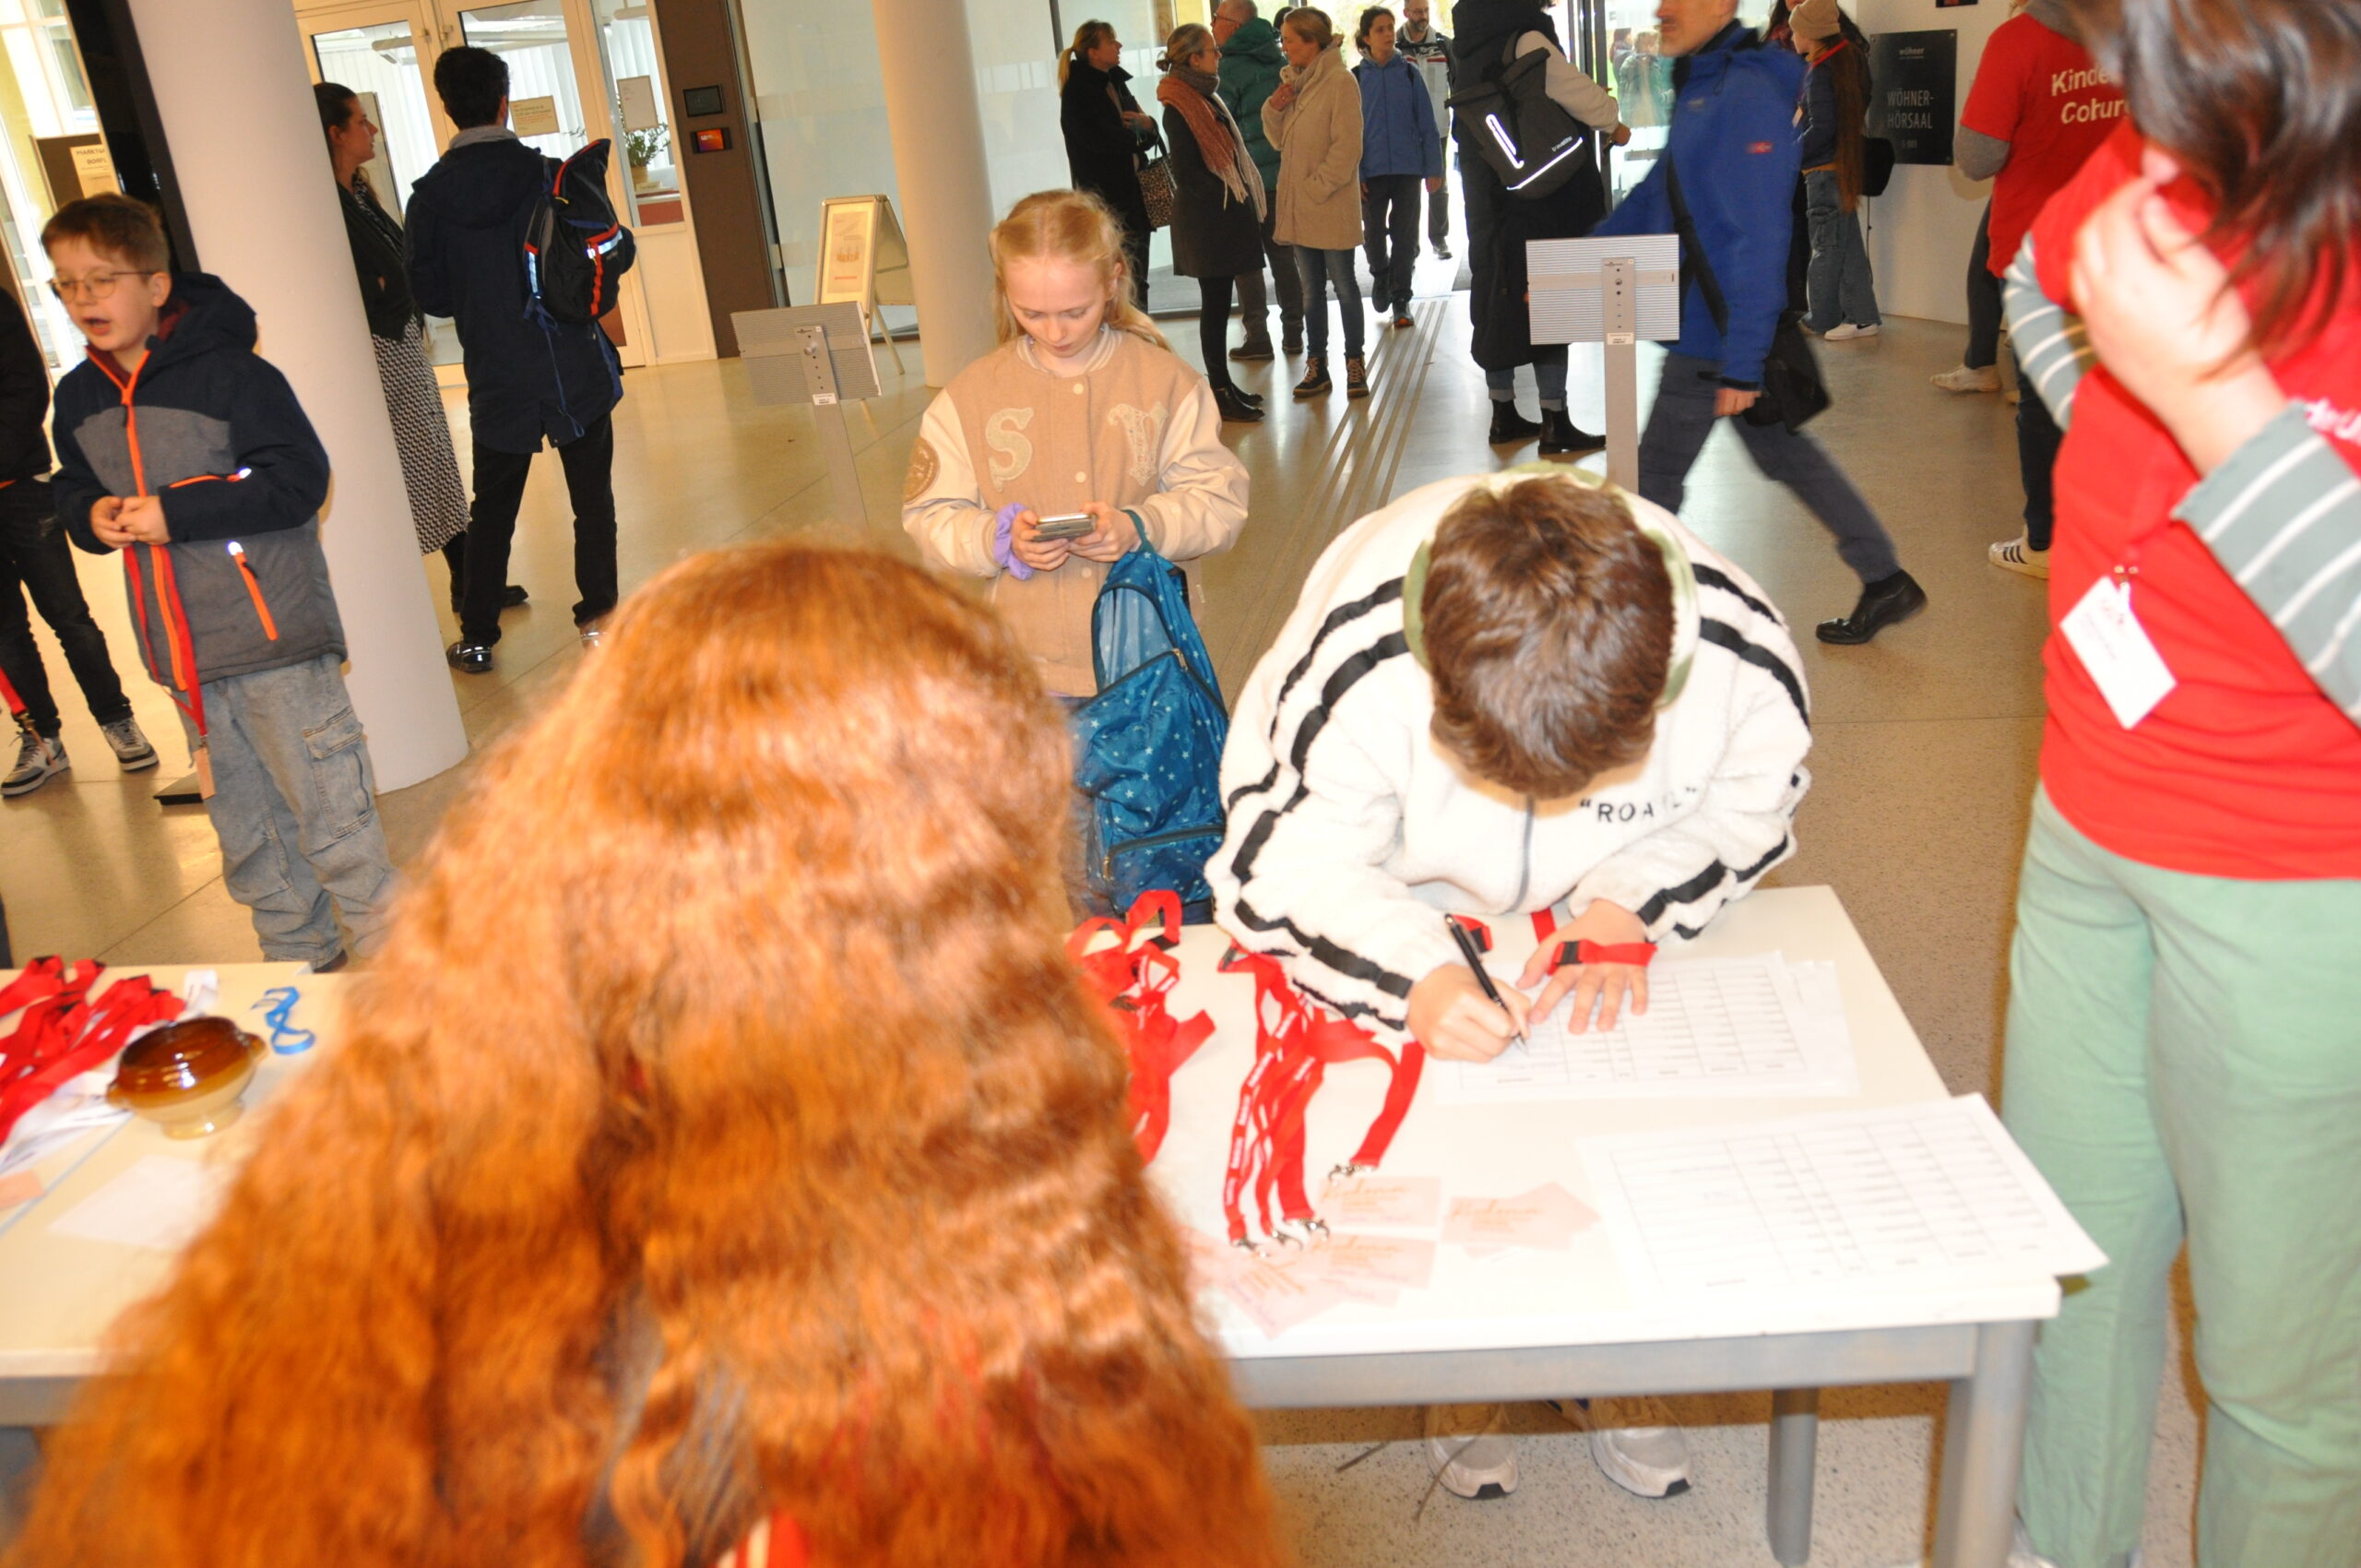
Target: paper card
[1354,1201]
[2115,649]
[533,116]
[1547,1217]
[1401,1261]
[159,1203]
[1278,1296]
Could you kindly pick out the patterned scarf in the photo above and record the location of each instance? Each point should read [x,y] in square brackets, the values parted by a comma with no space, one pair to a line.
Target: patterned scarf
[1193,93]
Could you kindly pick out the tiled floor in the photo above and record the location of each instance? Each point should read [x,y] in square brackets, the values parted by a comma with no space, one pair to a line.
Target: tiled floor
[1926,748]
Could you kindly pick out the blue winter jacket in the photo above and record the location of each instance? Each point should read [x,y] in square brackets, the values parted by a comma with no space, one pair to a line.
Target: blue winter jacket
[1734,141]
[1399,134]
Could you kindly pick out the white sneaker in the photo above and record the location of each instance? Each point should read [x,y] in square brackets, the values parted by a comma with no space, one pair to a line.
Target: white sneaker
[133,752]
[1960,378]
[2018,555]
[1643,1461]
[2021,1554]
[1844,329]
[39,760]
[1468,1452]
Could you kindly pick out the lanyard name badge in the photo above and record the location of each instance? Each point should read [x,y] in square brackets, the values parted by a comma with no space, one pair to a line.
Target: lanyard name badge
[2106,636]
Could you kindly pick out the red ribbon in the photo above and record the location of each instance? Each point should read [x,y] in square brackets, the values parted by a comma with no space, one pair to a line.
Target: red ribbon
[1295,1042]
[63,1032]
[1588,952]
[1133,978]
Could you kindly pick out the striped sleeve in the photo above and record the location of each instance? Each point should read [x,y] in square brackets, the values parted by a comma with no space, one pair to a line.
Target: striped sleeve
[2053,348]
[2284,517]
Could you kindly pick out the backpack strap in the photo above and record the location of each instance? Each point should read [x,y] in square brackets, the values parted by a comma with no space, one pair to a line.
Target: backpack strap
[1140,526]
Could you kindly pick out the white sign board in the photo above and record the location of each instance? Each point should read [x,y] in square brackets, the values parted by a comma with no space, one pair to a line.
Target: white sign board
[94,169]
[640,110]
[533,116]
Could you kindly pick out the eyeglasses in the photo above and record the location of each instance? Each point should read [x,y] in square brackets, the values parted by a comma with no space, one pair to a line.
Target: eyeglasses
[97,285]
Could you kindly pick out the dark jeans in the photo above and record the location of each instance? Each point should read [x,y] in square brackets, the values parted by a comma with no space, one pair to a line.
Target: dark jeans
[1438,214]
[1320,269]
[1684,416]
[36,560]
[2038,439]
[1287,279]
[1213,328]
[589,462]
[1983,299]
[1390,237]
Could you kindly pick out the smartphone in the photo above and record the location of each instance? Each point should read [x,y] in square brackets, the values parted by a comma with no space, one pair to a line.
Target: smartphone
[1071,525]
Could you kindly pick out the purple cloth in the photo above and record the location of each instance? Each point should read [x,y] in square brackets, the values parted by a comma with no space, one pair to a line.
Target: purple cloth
[1003,524]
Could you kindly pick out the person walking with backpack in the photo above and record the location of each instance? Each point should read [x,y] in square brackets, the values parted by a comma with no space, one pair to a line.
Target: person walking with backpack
[1842,288]
[1400,151]
[1726,185]
[529,377]
[1493,35]
[1251,64]
[1218,201]
[1314,119]
[1429,53]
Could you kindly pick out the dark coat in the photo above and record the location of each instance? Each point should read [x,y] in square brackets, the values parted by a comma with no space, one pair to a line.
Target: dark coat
[526,378]
[1101,150]
[221,440]
[1214,233]
[24,397]
[378,262]
[1504,332]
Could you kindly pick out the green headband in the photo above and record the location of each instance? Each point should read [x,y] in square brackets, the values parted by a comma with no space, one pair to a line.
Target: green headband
[1676,565]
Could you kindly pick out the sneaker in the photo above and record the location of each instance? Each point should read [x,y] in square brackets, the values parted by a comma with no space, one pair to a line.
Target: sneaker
[1468,1452]
[132,751]
[1881,605]
[2019,555]
[1644,1461]
[594,636]
[1845,329]
[1355,379]
[1402,317]
[39,759]
[1315,380]
[1443,251]
[468,659]
[1960,379]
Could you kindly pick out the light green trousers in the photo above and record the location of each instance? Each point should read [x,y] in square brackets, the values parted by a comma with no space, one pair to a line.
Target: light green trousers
[2184,1062]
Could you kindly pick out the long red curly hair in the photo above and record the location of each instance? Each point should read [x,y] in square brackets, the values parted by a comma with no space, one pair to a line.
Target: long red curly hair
[721,1134]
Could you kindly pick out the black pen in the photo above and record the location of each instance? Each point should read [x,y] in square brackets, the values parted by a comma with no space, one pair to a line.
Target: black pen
[1468,951]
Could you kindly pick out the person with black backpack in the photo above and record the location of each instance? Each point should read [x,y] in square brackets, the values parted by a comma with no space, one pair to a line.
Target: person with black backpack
[1492,61]
[522,252]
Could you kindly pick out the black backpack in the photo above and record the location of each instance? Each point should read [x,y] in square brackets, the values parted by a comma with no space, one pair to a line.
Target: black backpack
[1510,121]
[575,250]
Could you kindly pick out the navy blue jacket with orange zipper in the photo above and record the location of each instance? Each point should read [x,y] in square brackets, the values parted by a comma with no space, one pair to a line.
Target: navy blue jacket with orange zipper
[214,428]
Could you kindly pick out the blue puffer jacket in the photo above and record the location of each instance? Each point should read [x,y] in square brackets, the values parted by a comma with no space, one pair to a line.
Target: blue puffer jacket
[1734,142]
[1399,134]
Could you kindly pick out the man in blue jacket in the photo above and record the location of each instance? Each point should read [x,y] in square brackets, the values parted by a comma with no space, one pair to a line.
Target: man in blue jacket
[1733,158]
[527,378]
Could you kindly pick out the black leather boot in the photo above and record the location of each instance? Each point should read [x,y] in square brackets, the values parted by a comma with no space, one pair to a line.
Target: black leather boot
[1559,438]
[1509,426]
[1881,605]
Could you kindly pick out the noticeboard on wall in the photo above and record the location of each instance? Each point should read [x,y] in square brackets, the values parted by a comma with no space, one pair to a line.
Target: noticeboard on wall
[1917,77]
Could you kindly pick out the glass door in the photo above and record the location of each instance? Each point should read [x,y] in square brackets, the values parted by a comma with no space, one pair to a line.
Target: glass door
[47,126]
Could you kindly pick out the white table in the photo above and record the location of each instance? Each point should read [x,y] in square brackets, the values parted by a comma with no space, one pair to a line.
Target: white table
[1528,1324]
[59,1293]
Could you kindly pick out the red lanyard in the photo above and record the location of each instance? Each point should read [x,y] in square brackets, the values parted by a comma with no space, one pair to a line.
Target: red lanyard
[63,1032]
[1133,978]
[1295,1041]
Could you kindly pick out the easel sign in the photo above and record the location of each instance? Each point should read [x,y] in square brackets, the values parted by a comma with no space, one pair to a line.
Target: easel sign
[864,260]
[1614,292]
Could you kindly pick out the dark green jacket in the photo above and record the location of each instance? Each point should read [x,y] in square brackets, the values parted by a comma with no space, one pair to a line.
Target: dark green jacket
[1250,62]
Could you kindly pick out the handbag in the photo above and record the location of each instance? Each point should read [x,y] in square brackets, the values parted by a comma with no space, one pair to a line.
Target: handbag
[1793,393]
[1877,165]
[1156,185]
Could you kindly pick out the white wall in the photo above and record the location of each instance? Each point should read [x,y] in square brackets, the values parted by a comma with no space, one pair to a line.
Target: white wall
[1922,229]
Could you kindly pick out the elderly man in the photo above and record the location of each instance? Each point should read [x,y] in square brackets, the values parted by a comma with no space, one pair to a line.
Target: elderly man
[1731,161]
[1429,53]
[1250,62]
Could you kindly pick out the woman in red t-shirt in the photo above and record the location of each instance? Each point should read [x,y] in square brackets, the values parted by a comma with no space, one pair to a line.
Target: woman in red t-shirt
[2184,1036]
[723,1161]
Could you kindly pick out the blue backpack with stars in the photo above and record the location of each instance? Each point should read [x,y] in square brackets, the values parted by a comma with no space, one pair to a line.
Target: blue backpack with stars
[1147,748]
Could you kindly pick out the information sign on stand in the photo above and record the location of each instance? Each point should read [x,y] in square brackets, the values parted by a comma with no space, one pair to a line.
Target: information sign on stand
[864,260]
[1616,292]
[820,355]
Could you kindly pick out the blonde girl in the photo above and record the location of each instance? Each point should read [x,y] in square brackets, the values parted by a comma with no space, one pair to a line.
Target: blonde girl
[1082,410]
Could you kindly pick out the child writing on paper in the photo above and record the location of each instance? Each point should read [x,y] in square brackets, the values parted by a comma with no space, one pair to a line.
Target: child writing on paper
[1082,409]
[179,447]
[1500,696]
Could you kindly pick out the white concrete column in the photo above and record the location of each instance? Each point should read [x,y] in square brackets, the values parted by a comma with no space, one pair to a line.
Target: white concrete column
[938,130]
[236,104]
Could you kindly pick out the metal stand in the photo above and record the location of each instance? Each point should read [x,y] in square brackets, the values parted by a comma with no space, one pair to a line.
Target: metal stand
[1795,1445]
[819,355]
[1617,292]
[828,414]
[1619,309]
[1984,1442]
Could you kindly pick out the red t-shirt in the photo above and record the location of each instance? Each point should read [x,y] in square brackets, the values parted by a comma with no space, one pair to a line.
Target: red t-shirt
[2039,92]
[2246,770]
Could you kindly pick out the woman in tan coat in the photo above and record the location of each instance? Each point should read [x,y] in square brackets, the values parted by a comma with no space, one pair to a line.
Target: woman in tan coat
[1314,119]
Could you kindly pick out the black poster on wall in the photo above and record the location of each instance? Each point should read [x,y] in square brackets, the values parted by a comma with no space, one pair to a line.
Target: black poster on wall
[1917,78]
